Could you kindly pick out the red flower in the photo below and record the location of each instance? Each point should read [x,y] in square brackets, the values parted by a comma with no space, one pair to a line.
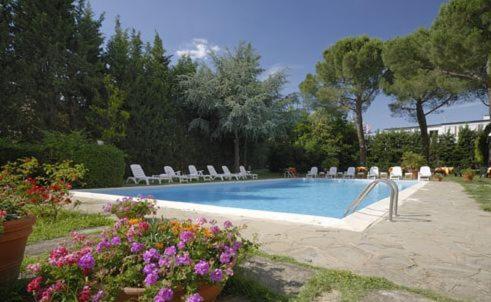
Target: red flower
[35,284]
[84,295]
[3,213]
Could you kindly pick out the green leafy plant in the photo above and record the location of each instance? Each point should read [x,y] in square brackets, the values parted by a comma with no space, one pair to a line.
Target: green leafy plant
[412,161]
[28,187]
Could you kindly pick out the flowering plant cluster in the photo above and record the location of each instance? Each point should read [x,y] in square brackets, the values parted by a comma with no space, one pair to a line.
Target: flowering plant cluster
[26,186]
[131,207]
[167,257]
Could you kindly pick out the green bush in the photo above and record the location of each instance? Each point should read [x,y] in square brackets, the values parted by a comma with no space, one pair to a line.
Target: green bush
[412,161]
[105,164]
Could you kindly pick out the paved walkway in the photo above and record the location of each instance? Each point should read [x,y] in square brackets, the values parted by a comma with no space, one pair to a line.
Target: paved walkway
[441,241]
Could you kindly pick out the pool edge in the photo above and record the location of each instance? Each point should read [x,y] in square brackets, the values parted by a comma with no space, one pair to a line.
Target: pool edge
[357,222]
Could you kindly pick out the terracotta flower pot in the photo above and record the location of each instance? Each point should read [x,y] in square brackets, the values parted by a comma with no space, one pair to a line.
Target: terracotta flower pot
[209,292]
[12,245]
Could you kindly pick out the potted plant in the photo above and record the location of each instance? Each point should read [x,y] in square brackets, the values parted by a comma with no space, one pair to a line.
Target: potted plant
[28,189]
[468,174]
[151,260]
[131,207]
[438,176]
[412,162]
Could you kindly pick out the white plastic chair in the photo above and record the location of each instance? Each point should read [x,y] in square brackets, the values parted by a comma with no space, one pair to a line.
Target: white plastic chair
[332,173]
[424,173]
[396,173]
[170,172]
[373,173]
[227,173]
[313,172]
[139,175]
[351,172]
[246,173]
[214,174]
[195,174]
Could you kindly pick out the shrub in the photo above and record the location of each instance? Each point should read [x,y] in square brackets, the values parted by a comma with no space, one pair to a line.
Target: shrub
[468,174]
[104,163]
[28,187]
[412,161]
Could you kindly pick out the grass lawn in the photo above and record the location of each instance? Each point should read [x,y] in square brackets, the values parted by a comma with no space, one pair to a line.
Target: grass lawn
[351,286]
[479,189]
[67,221]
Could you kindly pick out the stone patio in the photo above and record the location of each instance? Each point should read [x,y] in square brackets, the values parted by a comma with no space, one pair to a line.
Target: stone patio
[440,241]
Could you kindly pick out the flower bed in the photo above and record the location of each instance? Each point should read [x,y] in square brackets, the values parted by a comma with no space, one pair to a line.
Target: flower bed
[170,260]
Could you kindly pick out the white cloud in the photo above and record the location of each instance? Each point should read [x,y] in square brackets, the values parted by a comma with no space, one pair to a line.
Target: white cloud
[198,49]
[274,69]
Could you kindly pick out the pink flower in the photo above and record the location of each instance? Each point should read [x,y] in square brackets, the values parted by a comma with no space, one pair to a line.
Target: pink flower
[200,220]
[186,236]
[201,268]
[227,224]
[34,268]
[195,298]
[170,251]
[216,275]
[35,284]
[3,213]
[164,294]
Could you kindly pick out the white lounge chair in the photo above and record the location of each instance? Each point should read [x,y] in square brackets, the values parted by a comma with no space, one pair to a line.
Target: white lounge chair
[424,173]
[197,174]
[396,173]
[332,173]
[227,173]
[350,173]
[214,174]
[175,174]
[373,173]
[312,173]
[246,173]
[139,175]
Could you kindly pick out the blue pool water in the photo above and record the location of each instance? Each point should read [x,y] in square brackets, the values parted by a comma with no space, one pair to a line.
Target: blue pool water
[320,197]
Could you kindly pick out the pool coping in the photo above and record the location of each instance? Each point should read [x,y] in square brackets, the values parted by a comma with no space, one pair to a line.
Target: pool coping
[357,221]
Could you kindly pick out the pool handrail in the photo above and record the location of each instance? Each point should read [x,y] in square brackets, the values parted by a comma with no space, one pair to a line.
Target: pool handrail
[394,197]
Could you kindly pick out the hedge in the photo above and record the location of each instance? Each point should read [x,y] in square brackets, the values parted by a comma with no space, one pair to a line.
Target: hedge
[105,164]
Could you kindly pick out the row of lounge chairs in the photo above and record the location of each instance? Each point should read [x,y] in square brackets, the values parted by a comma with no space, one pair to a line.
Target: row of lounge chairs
[374,173]
[170,175]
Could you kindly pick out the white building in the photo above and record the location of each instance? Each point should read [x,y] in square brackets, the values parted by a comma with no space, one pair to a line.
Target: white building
[452,128]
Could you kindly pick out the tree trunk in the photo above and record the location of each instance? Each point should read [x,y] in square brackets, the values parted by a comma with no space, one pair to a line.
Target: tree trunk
[236,151]
[244,157]
[423,128]
[488,84]
[360,131]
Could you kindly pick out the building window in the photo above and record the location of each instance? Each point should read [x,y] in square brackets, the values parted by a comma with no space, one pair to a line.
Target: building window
[433,132]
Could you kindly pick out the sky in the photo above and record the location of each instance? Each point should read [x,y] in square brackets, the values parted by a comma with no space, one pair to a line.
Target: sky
[289,35]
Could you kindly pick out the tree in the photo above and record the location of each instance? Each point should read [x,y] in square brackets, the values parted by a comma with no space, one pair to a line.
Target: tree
[418,88]
[58,69]
[348,77]
[328,138]
[461,44]
[107,117]
[231,99]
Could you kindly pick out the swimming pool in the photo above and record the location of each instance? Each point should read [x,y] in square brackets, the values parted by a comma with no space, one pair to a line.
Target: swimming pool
[316,197]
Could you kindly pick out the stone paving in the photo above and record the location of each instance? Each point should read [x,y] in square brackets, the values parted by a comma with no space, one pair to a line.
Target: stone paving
[441,241]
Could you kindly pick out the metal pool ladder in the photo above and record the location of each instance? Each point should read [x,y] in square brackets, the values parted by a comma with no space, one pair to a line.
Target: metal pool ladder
[394,197]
